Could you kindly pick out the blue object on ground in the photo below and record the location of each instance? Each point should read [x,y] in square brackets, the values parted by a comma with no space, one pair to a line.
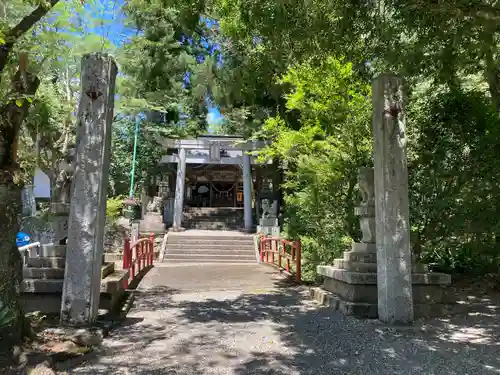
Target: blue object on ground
[22,239]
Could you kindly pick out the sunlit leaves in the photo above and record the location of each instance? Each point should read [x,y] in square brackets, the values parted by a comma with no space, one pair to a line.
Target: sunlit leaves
[321,155]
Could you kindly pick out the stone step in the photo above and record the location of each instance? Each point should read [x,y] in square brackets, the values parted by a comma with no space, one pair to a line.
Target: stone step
[213,258]
[42,286]
[43,273]
[351,277]
[114,282]
[201,226]
[210,247]
[200,252]
[57,251]
[209,244]
[212,240]
[113,257]
[107,269]
[213,214]
[46,262]
[209,261]
[355,266]
[214,210]
[212,220]
[371,267]
[212,226]
[247,254]
[358,256]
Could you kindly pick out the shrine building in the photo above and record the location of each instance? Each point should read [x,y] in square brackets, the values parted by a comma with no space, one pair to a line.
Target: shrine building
[213,174]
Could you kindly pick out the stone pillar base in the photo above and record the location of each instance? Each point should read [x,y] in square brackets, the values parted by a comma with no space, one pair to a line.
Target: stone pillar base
[269,230]
[176,229]
[152,223]
[350,286]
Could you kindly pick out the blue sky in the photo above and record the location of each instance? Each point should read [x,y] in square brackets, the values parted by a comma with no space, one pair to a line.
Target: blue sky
[113,27]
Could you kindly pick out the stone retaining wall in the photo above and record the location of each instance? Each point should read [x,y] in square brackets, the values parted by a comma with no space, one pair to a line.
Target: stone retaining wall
[42,229]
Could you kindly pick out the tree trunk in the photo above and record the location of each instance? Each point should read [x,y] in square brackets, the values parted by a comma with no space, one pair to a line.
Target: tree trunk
[11,264]
[12,116]
[492,69]
[493,79]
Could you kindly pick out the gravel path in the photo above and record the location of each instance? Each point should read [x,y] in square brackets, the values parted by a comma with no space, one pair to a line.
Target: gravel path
[235,320]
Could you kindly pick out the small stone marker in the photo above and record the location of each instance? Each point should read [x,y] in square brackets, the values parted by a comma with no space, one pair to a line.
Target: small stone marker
[81,292]
[394,268]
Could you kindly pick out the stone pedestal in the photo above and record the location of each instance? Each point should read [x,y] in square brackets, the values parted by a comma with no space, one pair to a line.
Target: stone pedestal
[269,227]
[152,223]
[351,282]
[353,288]
[153,219]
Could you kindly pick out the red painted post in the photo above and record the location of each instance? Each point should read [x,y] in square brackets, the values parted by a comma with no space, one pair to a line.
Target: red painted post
[273,248]
[141,258]
[143,247]
[152,249]
[279,252]
[262,252]
[298,260]
[287,256]
[126,259]
[133,260]
[267,249]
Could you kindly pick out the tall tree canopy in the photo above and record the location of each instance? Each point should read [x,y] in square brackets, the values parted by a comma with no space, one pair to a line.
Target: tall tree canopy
[295,72]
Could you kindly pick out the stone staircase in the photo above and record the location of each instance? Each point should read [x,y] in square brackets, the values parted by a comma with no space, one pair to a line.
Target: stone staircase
[210,247]
[43,279]
[209,218]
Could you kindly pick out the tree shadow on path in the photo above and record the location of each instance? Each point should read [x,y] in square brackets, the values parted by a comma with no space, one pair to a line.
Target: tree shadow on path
[279,332]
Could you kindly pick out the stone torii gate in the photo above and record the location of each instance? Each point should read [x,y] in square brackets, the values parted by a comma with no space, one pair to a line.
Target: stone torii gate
[241,150]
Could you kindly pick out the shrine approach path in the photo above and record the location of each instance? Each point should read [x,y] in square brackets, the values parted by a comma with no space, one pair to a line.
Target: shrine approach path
[245,319]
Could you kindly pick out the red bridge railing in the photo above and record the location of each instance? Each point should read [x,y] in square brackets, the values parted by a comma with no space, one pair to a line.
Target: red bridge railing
[284,254]
[137,256]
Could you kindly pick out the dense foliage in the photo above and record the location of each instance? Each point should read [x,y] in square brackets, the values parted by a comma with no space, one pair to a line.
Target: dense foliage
[296,72]
[322,155]
[454,190]
[446,52]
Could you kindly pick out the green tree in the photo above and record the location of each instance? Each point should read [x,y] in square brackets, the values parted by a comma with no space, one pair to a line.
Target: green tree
[322,155]
[454,193]
[166,68]
[17,95]
[121,156]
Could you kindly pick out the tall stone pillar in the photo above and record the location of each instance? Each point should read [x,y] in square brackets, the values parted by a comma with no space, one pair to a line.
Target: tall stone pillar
[247,191]
[81,291]
[179,190]
[395,301]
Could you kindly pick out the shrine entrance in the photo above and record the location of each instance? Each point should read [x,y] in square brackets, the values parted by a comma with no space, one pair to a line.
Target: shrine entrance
[210,176]
[214,186]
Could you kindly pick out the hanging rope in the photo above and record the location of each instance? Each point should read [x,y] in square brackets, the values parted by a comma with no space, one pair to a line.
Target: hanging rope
[224,191]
